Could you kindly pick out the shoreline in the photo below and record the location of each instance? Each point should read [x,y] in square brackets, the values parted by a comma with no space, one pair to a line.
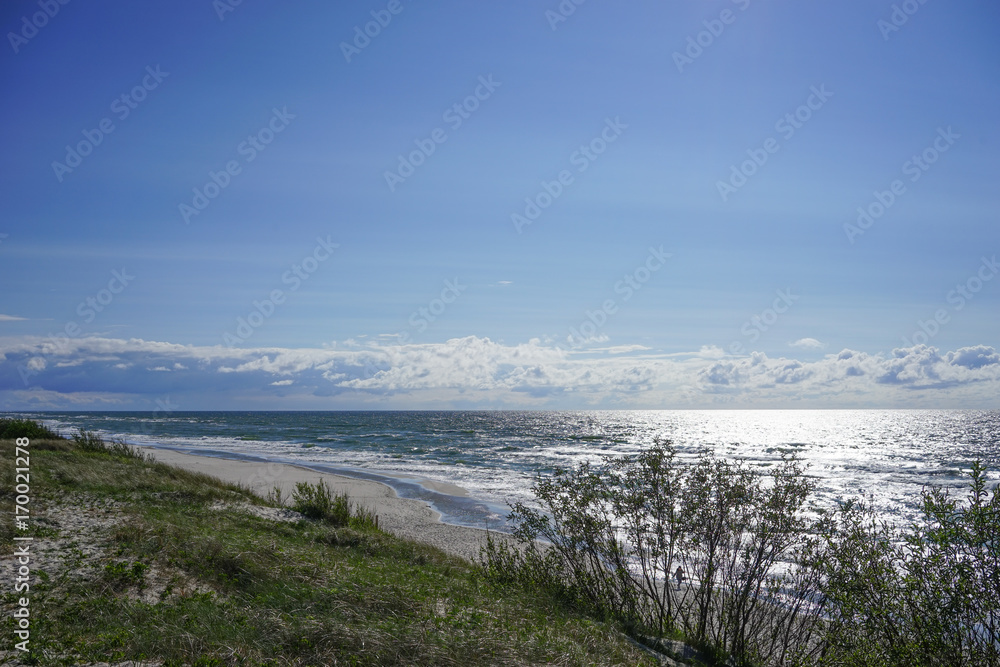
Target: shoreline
[409,518]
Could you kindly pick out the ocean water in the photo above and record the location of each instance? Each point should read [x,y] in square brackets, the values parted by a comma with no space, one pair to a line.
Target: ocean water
[886,456]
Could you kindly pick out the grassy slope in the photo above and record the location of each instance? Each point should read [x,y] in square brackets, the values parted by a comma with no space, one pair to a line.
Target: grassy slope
[172,577]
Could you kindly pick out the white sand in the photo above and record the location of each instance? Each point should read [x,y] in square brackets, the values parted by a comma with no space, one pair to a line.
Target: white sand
[411,519]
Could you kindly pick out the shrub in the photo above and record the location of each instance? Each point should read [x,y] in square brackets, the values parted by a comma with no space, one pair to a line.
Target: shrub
[25,428]
[856,591]
[89,441]
[315,501]
[927,594]
[614,534]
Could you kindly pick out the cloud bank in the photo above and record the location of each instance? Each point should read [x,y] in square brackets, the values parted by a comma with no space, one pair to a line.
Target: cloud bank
[474,372]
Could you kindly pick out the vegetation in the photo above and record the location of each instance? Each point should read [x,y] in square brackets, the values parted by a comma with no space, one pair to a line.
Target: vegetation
[11,429]
[929,595]
[314,501]
[619,532]
[88,441]
[136,560]
[769,583]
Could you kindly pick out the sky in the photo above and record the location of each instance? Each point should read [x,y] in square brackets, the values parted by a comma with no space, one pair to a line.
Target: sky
[397,204]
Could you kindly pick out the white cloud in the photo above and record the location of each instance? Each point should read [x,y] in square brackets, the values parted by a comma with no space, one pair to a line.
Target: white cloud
[973,357]
[575,343]
[622,349]
[808,344]
[711,352]
[480,372]
[12,318]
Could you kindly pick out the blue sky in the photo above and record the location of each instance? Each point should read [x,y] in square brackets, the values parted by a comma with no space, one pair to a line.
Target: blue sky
[499,205]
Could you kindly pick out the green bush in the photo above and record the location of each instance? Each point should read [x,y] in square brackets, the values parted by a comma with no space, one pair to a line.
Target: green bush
[855,592]
[315,501]
[925,594]
[613,536]
[25,428]
[89,441]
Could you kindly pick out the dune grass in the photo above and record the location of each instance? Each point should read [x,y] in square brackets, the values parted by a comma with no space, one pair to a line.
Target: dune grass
[175,568]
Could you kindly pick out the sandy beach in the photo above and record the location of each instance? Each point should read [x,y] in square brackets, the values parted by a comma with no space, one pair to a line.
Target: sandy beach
[410,519]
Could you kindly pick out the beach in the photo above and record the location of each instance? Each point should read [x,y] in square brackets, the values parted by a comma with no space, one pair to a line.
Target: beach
[403,517]
[885,455]
[123,560]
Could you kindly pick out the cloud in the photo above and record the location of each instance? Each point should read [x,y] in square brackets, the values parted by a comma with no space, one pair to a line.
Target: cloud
[973,357]
[43,399]
[577,343]
[711,352]
[12,318]
[852,377]
[478,372]
[621,349]
[807,344]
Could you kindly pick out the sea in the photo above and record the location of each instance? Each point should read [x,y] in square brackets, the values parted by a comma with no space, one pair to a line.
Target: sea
[472,465]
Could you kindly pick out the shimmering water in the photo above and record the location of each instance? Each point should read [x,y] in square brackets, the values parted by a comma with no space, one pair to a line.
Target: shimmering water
[886,455]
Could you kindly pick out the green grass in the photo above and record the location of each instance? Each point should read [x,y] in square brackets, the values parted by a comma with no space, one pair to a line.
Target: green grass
[184,576]
[315,501]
